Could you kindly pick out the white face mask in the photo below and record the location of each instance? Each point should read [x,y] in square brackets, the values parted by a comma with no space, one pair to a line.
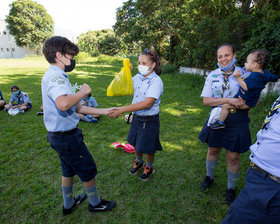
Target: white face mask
[144,70]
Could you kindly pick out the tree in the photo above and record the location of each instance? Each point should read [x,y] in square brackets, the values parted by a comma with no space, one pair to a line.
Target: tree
[100,41]
[30,24]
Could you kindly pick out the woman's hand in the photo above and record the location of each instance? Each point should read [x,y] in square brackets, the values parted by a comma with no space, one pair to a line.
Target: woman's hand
[236,102]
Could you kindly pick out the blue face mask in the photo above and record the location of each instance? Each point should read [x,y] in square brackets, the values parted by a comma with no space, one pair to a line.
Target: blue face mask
[226,69]
[16,93]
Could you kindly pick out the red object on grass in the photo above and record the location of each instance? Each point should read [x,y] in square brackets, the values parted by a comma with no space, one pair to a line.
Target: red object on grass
[126,147]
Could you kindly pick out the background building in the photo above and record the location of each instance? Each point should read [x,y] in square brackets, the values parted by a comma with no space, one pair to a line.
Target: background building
[8,46]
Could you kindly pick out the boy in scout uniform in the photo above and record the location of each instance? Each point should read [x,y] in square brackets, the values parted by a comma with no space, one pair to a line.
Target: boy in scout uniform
[61,120]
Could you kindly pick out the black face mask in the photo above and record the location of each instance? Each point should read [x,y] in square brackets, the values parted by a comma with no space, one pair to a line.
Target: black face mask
[69,68]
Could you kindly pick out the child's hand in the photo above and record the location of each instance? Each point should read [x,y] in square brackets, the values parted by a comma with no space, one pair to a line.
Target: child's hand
[85,89]
[114,113]
[237,74]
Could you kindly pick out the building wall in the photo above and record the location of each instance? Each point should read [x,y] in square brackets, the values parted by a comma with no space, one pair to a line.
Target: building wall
[8,46]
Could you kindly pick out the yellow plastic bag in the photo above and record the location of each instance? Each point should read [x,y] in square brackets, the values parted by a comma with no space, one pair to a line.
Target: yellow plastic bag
[122,83]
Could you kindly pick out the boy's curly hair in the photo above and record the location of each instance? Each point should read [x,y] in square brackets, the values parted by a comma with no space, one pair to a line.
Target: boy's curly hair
[261,57]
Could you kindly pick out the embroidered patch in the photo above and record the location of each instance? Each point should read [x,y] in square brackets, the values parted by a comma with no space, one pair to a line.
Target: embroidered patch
[214,76]
[59,80]
[216,80]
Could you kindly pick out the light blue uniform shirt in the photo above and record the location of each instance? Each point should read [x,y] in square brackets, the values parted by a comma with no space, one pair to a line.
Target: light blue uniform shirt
[151,86]
[55,83]
[265,153]
[91,102]
[214,82]
[21,99]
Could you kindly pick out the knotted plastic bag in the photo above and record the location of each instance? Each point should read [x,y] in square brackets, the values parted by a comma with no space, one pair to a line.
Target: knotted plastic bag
[122,83]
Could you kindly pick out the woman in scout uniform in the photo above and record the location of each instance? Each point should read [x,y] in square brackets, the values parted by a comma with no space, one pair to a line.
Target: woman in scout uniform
[220,88]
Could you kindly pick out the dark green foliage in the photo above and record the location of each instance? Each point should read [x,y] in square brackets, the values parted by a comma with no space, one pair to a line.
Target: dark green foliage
[189,32]
[100,42]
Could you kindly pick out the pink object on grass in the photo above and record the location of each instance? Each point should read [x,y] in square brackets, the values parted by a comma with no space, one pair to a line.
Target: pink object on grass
[126,147]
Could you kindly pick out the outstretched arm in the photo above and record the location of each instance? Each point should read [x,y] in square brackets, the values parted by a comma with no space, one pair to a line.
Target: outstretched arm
[147,103]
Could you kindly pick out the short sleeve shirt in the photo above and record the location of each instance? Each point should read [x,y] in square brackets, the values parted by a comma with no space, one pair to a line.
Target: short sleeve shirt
[23,98]
[56,83]
[151,86]
[214,82]
[265,153]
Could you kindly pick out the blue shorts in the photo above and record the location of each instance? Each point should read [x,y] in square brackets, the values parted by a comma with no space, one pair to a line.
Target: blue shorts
[257,203]
[73,154]
[235,137]
[144,134]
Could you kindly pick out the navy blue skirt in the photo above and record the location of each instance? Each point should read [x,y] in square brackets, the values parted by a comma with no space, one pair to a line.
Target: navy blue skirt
[144,134]
[235,137]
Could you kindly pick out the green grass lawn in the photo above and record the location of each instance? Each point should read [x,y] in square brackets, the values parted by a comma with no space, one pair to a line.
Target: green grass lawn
[30,172]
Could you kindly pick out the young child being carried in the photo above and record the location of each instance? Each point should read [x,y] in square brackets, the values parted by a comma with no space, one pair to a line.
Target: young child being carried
[251,87]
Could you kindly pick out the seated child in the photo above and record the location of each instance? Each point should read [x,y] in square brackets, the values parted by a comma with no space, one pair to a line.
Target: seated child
[90,102]
[19,100]
[2,101]
[252,86]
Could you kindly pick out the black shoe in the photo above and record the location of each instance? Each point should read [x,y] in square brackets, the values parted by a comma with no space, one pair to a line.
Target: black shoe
[207,183]
[136,167]
[103,206]
[39,113]
[230,196]
[217,125]
[77,200]
[148,171]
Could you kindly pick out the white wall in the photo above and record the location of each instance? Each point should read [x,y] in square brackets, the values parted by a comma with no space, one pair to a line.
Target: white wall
[8,47]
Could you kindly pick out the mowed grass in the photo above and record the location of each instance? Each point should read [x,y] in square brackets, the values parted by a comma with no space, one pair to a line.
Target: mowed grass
[30,172]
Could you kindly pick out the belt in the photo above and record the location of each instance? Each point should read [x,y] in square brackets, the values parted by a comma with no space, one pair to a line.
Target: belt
[145,117]
[273,177]
[234,110]
[64,132]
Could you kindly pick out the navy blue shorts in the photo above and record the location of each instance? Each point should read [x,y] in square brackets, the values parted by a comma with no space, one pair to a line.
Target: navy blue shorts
[29,106]
[144,134]
[235,137]
[73,154]
[257,203]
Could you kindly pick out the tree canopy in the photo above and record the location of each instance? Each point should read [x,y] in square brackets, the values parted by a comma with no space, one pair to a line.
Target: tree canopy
[29,23]
[187,32]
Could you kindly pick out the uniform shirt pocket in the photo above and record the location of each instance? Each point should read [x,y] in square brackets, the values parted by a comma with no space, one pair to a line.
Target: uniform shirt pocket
[217,89]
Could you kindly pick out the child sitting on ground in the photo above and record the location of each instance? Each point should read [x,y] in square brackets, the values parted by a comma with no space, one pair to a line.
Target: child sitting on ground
[19,100]
[90,102]
[2,101]
[251,87]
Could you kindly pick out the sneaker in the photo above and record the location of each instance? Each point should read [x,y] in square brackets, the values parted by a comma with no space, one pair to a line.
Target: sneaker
[148,171]
[136,167]
[6,109]
[93,120]
[77,200]
[217,125]
[230,196]
[207,183]
[39,113]
[103,206]
[21,111]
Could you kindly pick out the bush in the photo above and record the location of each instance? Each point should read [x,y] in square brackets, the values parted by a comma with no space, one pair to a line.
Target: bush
[168,69]
[82,57]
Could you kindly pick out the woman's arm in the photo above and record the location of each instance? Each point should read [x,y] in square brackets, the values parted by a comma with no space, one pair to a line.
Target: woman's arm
[211,101]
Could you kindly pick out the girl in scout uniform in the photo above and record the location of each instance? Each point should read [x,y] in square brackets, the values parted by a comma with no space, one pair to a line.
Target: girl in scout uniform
[220,88]
[144,130]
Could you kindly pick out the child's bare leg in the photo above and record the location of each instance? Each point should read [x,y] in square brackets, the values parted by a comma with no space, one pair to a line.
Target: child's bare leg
[224,112]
